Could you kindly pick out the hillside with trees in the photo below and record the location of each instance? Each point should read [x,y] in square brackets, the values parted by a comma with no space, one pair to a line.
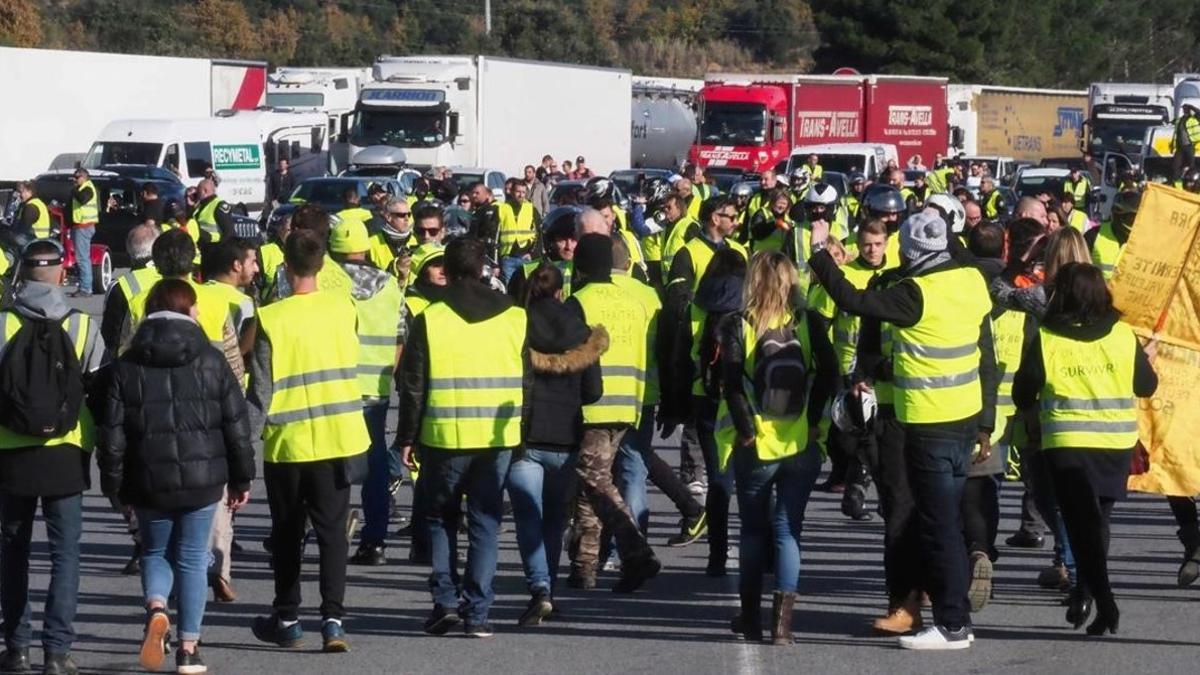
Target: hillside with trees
[1053,43]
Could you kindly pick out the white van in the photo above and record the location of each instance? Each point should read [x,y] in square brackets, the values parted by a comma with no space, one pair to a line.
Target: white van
[868,158]
[242,147]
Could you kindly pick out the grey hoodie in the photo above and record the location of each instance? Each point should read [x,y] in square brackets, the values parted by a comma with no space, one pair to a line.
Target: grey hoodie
[37,300]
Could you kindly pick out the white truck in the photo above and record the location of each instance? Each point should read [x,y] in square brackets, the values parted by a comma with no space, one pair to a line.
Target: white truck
[333,91]
[58,101]
[484,111]
[242,147]
[1119,113]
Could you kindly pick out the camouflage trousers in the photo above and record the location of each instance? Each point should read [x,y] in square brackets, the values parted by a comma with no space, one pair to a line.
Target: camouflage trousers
[599,506]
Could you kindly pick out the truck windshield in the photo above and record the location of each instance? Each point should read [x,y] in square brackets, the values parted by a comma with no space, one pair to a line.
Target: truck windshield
[122,153]
[295,99]
[733,124]
[1123,136]
[399,127]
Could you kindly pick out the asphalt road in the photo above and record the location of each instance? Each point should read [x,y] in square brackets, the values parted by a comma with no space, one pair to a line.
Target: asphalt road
[677,624]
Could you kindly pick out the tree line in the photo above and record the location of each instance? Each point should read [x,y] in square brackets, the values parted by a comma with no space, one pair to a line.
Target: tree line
[1052,43]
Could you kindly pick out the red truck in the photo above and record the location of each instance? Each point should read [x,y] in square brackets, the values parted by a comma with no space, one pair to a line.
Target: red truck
[752,122]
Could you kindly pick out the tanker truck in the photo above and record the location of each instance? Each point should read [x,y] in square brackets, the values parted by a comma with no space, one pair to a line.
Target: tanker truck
[662,125]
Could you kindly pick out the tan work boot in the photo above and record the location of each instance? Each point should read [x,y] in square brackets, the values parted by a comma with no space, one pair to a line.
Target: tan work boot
[902,617]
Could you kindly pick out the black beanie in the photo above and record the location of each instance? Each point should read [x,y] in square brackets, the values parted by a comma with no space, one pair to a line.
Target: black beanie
[593,256]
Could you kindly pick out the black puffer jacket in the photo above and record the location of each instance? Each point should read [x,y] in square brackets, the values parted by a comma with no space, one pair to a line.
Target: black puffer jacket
[565,355]
[175,429]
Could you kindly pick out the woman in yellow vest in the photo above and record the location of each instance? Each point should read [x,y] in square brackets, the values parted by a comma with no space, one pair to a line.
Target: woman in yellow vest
[1083,370]
[767,427]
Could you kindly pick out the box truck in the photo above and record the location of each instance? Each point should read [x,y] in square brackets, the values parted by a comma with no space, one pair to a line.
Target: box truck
[1119,114]
[54,128]
[484,111]
[753,121]
[662,124]
[1013,122]
[333,91]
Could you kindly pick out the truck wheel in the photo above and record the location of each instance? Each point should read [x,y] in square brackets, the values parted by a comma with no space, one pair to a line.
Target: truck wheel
[102,274]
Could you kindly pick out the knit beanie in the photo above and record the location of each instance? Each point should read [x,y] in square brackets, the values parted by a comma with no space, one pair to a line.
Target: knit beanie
[593,256]
[923,233]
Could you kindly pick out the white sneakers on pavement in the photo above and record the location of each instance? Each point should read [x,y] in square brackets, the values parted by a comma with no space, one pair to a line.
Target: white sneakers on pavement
[938,638]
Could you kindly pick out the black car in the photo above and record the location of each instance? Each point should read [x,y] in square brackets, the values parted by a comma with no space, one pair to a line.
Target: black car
[122,184]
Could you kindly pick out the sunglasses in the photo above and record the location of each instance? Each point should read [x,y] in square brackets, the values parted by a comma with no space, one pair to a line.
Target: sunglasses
[428,231]
[400,214]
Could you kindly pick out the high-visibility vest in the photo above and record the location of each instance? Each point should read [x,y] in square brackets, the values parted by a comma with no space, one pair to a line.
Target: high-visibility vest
[816,171]
[475,380]
[316,406]
[241,307]
[516,229]
[378,317]
[416,304]
[1106,250]
[623,366]
[635,250]
[938,180]
[652,247]
[700,193]
[801,252]
[83,435]
[1191,131]
[773,241]
[89,211]
[41,224]
[702,253]
[207,217]
[851,203]
[846,325]
[1008,333]
[354,214]
[677,236]
[885,390]
[653,306]
[1078,220]
[211,306]
[270,259]
[1078,190]
[567,267]
[134,282]
[936,362]
[991,206]
[775,438]
[1087,400]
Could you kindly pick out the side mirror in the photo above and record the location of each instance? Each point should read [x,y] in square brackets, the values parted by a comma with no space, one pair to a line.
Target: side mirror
[316,140]
[454,125]
[958,137]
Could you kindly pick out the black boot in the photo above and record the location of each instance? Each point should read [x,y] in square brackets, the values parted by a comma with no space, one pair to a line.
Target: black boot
[1189,570]
[1079,607]
[781,617]
[748,622]
[1107,617]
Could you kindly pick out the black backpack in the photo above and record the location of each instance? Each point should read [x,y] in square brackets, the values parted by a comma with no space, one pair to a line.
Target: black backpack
[41,380]
[780,377]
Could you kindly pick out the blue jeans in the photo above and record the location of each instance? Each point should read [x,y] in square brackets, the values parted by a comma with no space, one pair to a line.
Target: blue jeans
[81,239]
[376,503]
[1047,504]
[188,531]
[509,265]
[631,469]
[539,484]
[938,458]
[791,480]
[64,523]
[479,474]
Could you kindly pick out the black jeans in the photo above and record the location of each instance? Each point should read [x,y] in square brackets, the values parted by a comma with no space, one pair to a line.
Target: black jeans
[1186,517]
[981,514]
[901,548]
[938,457]
[720,483]
[1086,516]
[299,493]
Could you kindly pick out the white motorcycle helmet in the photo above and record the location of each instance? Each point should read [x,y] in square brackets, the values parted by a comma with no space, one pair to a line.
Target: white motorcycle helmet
[852,413]
[950,209]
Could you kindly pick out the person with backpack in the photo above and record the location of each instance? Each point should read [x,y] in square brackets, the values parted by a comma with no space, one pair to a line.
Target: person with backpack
[777,371]
[175,436]
[49,356]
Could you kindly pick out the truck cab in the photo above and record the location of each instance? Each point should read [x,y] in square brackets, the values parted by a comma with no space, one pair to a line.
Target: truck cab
[743,126]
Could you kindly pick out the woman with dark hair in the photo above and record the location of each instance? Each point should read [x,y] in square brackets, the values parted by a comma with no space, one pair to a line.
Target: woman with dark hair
[174,435]
[1085,368]
[565,355]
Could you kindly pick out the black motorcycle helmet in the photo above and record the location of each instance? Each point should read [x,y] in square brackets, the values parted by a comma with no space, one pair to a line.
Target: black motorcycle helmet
[1124,210]
[881,199]
[1191,180]
[599,187]
[558,223]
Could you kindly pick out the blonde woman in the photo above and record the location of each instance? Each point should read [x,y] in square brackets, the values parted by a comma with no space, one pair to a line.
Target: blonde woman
[777,374]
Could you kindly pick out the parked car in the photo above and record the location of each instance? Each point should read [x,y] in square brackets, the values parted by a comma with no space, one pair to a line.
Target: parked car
[329,193]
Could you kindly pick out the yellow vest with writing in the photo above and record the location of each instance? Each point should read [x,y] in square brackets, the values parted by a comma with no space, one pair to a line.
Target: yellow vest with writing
[623,366]
[1087,400]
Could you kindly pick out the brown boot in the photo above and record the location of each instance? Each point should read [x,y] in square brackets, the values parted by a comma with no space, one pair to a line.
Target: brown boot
[781,617]
[222,590]
[902,617]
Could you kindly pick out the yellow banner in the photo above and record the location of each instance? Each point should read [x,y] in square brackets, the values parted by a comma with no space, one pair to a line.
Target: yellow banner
[1156,287]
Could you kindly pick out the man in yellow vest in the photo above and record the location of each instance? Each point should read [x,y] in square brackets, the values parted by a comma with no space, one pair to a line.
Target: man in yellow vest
[393,242]
[1076,216]
[623,373]
[306,403]
[516,239]
[270,256]
[212,213]
[52,470]
[945,379]
[1108,241]
[1184,140]
[352,208]
[990,197]
[558,239]
[378,300]
[1078,186]
[330,276]
[139,244]
[85,214]
[463,392]
[33,218]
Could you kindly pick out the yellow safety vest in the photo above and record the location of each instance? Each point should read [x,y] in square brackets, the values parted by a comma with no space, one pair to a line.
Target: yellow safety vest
[135,282]
[885,390]
[416,304]
[240,306]
[773,241]
[475,380]
[702,253]
[191,227]
[41,224]
[677,236]
[1106,250]
[1079,191]
[88,212]
[635,250]
[991,207]
[378,317]
[846,325]
[1078,220]
[83,436]
[623,366]
[207,217]
[1008,333]
[936,361]
[1088,401]
[801,252]
[694,204]
[567,267]
[653,305]
[516,229]
[775,438]
[851,203]
[270,259]
[211,305]
[354,213]
[316,407]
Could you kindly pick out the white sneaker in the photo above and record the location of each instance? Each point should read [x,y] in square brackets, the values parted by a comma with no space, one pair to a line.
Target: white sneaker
[938,638]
